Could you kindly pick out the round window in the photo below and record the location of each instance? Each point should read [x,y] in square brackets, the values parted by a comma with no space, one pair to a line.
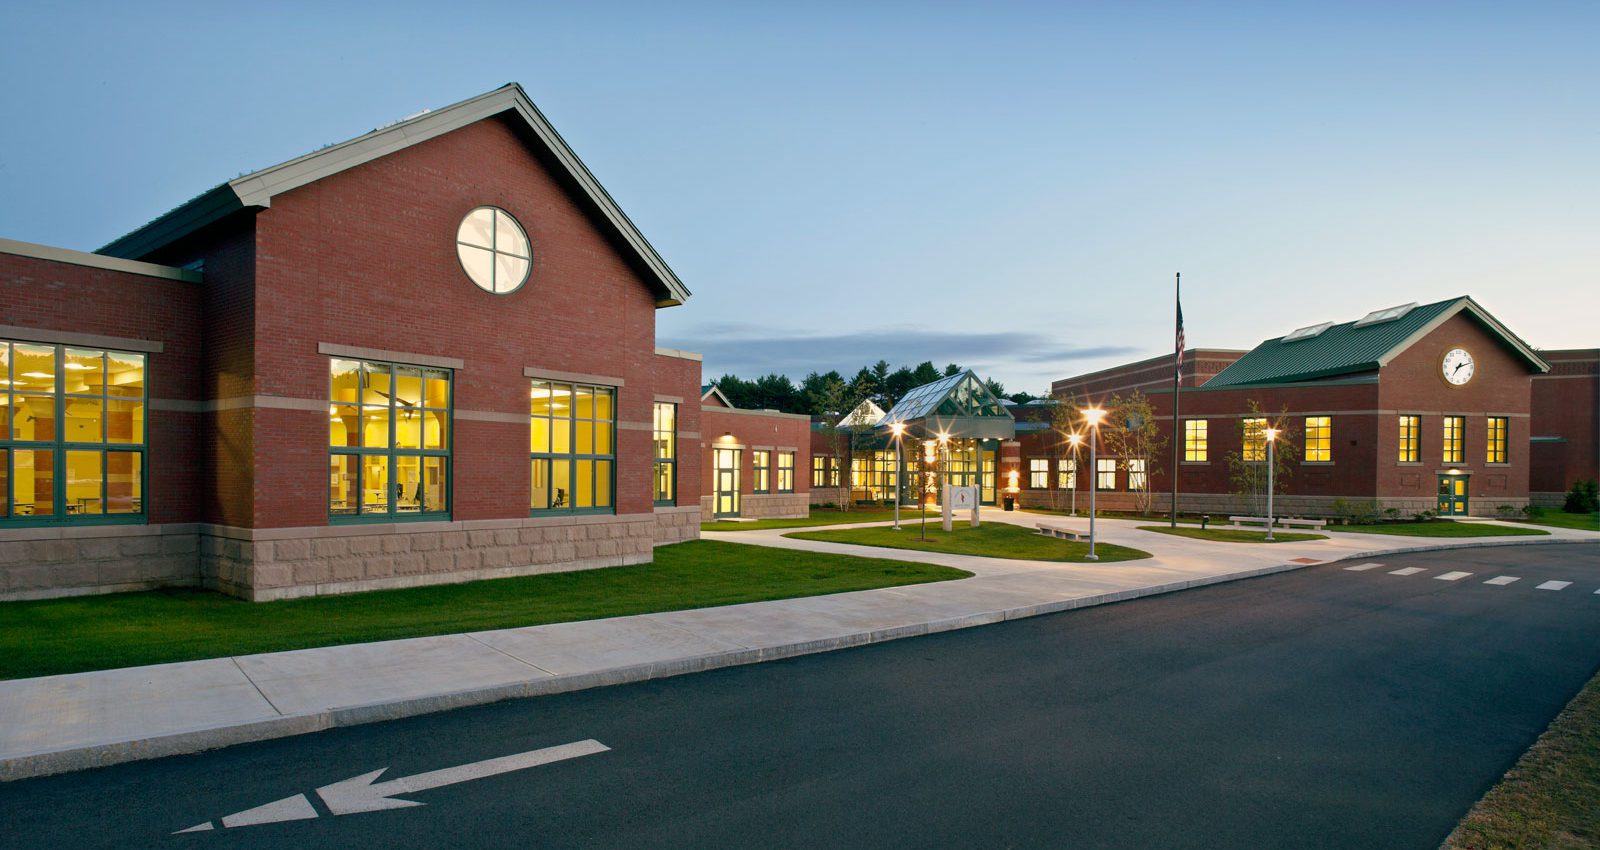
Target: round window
[494,250]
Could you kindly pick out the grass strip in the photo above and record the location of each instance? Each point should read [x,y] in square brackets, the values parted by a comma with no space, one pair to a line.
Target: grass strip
[817,517]
[992,540]
[122,630]
[1562,519]
[1235,535]
[1547,800]
[1441,528]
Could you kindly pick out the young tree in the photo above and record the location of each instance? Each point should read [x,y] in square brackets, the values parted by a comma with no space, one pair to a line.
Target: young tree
[1065,418]
[1131,436]
[835,398]
[1247,467]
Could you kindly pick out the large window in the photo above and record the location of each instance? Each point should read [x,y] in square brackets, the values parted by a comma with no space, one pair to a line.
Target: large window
[1137,477]
[665,427]
[72,434]
[761,471]
[1038,473]
[1495,439]
[874,476]
[572,446]
[1319,438]
[1067,474]
[819,471]
[1105,474]
[1455,439]
[785,472]
[1410,439]
[1194,440]
[388,440]
[1254,438]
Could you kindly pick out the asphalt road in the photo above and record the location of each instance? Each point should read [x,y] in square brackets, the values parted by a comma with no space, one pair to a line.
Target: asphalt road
[1320,708]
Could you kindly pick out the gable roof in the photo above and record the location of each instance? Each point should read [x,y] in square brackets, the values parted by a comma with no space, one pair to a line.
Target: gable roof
[959,405]
[866,413]
[1358,346]
[712,391]
[257,189]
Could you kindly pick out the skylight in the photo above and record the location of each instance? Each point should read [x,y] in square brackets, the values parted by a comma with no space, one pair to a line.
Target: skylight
[1307,332]
[1389,315]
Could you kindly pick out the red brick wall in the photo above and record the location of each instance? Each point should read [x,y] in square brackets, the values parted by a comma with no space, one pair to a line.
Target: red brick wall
[1199,366]
[680,377]
[1566,403]
[367,258]
[54,296]
[750,430]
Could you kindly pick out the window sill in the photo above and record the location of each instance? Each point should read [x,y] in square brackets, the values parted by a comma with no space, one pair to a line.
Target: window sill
[71,521]
[384,519]
[560,512]
[1316,463]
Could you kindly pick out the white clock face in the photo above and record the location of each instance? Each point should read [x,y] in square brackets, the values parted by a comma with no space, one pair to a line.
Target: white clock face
[1457,366]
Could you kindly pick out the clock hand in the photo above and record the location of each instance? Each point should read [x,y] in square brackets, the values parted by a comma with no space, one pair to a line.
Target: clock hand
[1457,369]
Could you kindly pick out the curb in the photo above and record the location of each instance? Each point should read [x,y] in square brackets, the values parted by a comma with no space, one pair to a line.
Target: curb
[47,763]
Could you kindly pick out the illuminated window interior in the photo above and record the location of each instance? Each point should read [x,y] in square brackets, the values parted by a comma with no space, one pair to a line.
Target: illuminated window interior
[1137,479]
[1194,440]
[572,446]
[760,471]
[1410,439]
[1496,439]
[1067,474]
[665,477]
[1254,440]
[1105,474]
[388,439]
[1455,439]
[1319,438]
[785,472]
[1038,473]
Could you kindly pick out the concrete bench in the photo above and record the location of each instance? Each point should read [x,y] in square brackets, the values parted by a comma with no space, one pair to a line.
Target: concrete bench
[1249,521]
[1313,524]
[1059,533]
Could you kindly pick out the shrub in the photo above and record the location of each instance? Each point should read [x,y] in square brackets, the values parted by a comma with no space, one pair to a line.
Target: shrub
[1533,512]
[1583,498]
[1507,511]
[1365,513]
[1391,514]
[1424,516]
[1339,508]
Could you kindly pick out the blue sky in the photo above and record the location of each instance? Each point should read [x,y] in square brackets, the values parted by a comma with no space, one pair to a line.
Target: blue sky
[1007,185]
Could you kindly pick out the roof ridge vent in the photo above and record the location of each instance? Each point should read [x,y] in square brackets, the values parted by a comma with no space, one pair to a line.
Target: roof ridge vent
[1307,332]
[1377,317]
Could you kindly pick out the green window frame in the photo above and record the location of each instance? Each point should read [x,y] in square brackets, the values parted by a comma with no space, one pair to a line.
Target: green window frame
[1495,439]
[819,471]
[785,472]
[73,426]
[390,437]
[1194,440]
[572,448]
[1067,474]
[1105,477]
[1038,473]
[1455,439]
[1410,439]
[664,426]
[761,471]
[1319,439]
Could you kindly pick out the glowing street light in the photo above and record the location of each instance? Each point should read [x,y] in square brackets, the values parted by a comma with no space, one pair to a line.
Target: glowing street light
[1093,415]
[899,430]
[1076,440]
[1272,439]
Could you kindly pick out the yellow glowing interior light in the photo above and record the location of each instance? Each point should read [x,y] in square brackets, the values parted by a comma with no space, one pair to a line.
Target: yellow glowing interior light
[36,375]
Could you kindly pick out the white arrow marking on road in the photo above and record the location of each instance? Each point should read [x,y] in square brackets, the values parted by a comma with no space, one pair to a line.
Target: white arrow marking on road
[361,794]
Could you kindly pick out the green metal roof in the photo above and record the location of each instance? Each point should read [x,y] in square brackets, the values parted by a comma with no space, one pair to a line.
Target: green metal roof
[1353,347]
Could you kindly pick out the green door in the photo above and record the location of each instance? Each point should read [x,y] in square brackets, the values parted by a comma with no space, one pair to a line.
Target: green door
[725,472]
[1453,495]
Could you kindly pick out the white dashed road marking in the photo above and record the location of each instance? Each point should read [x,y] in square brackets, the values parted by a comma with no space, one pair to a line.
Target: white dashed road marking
[1451,577]
[1359,567]
[1407,571]
[1502,581]
[1555,585]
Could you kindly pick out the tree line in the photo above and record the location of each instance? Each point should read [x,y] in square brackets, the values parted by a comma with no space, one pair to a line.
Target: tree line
[831,394]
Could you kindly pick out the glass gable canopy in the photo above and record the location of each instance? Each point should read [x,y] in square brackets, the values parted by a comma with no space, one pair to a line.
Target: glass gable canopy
[958,405]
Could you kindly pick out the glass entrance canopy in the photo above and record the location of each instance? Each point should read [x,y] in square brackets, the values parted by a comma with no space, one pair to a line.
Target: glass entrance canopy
[957,407]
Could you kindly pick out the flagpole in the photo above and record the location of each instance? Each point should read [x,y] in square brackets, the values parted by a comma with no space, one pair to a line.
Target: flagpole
[1177,369]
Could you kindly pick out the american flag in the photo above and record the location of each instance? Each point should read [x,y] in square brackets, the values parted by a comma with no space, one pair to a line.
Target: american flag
[1180,339]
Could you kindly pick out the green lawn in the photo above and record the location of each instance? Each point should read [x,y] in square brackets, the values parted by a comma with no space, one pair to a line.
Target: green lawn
[819,516]
[1562,519]
[1439,528]
[1548,799]
[991,540]
[127,629]
[1083,511]
[1235,535]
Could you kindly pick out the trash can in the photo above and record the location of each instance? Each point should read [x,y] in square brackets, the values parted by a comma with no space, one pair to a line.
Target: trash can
[1011,502]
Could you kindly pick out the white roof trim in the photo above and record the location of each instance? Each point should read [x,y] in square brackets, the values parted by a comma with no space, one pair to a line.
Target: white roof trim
[1466,303]
[258,188]
[96,261]
[717,391]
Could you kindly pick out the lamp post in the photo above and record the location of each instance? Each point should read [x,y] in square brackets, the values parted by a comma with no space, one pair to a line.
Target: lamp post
[1272,439]
[899,430]
[1093,415]
[1076,440]
[927,478]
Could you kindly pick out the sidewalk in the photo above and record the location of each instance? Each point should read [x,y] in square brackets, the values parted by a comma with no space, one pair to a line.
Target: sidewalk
[55,724]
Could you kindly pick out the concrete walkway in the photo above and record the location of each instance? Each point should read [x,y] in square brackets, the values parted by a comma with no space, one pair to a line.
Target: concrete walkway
[54,724]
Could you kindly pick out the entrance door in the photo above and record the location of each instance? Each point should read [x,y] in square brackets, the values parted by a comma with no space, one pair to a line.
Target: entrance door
[1453,495]
[725,472]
